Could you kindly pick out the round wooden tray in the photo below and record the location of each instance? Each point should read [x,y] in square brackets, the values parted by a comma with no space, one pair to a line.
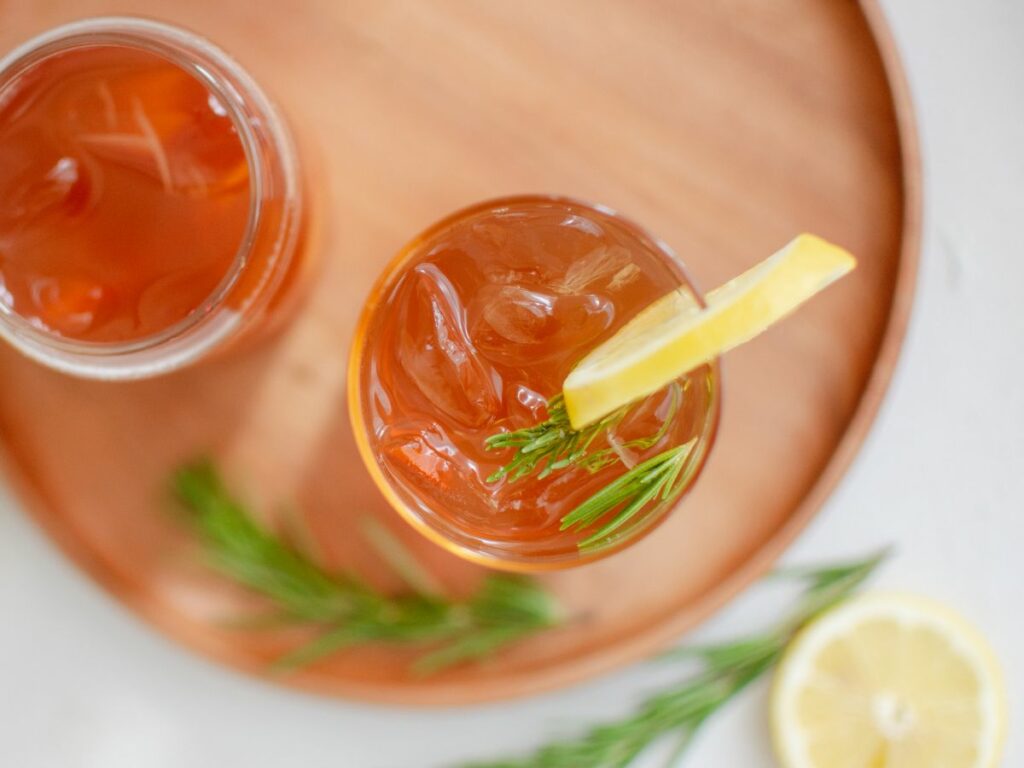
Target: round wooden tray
[725,127]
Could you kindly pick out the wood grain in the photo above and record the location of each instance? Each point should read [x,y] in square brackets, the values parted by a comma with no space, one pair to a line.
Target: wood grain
[724,127]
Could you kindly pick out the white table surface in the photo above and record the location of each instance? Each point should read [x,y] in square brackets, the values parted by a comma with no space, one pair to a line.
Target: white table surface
[84,684]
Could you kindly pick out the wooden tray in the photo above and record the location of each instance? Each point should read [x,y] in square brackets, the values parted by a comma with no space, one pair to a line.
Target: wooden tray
[725,127]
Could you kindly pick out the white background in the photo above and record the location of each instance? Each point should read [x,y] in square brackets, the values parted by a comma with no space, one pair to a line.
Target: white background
[85,684]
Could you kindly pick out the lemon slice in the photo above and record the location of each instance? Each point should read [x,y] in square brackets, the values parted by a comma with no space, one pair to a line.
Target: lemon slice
[675,335]
[888,681]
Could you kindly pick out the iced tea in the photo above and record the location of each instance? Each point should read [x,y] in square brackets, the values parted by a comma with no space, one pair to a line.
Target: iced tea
[145,194]
[470,333]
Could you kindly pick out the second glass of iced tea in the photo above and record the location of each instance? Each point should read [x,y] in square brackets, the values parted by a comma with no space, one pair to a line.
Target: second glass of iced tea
[151,204]
[470,332]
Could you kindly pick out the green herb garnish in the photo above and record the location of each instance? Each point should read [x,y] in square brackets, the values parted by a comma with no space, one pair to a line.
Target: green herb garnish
[550,445]
[554,445]
[653,479]
[342,609]
[725,670]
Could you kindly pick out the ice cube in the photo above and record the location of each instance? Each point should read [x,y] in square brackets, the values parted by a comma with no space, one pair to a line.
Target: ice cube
[197,158]
[423,457]
[110,104]
[171,297]
[160,123]
[437,353]
[624,277]
[39,181]
[68,305]
[519,325]
[538,504]
[518,314]
[524,404]
[595,267]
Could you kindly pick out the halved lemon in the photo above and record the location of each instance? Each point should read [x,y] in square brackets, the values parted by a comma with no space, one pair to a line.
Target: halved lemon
[888,681]
[675,335]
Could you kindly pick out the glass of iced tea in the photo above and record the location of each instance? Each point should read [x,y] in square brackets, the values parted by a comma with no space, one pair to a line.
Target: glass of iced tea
[466,339]
[151,203]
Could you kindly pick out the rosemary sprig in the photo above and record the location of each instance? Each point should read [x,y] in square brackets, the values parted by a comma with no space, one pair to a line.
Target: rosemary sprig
[550,445]
[554,445]
[726,669]
[644,483]
[598,460]
[341,608]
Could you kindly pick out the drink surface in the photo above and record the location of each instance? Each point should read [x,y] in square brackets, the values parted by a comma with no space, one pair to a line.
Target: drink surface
[125,190]
[476,329]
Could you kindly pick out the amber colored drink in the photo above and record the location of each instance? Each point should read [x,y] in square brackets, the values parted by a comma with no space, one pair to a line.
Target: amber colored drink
[149,201]
[470,332]
[126,194]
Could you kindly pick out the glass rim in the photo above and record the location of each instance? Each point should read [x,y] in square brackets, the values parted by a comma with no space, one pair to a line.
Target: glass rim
[490,556]
[190,52]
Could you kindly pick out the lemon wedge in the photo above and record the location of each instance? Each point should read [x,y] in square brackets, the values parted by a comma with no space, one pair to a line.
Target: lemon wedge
[675,335]
[888,681]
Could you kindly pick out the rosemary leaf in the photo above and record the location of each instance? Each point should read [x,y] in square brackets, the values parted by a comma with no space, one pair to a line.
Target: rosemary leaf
[553,445]
[550,445]
[340,608]
[726,669]
[469,647]
[399,559]
[331,641]
[635,489]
